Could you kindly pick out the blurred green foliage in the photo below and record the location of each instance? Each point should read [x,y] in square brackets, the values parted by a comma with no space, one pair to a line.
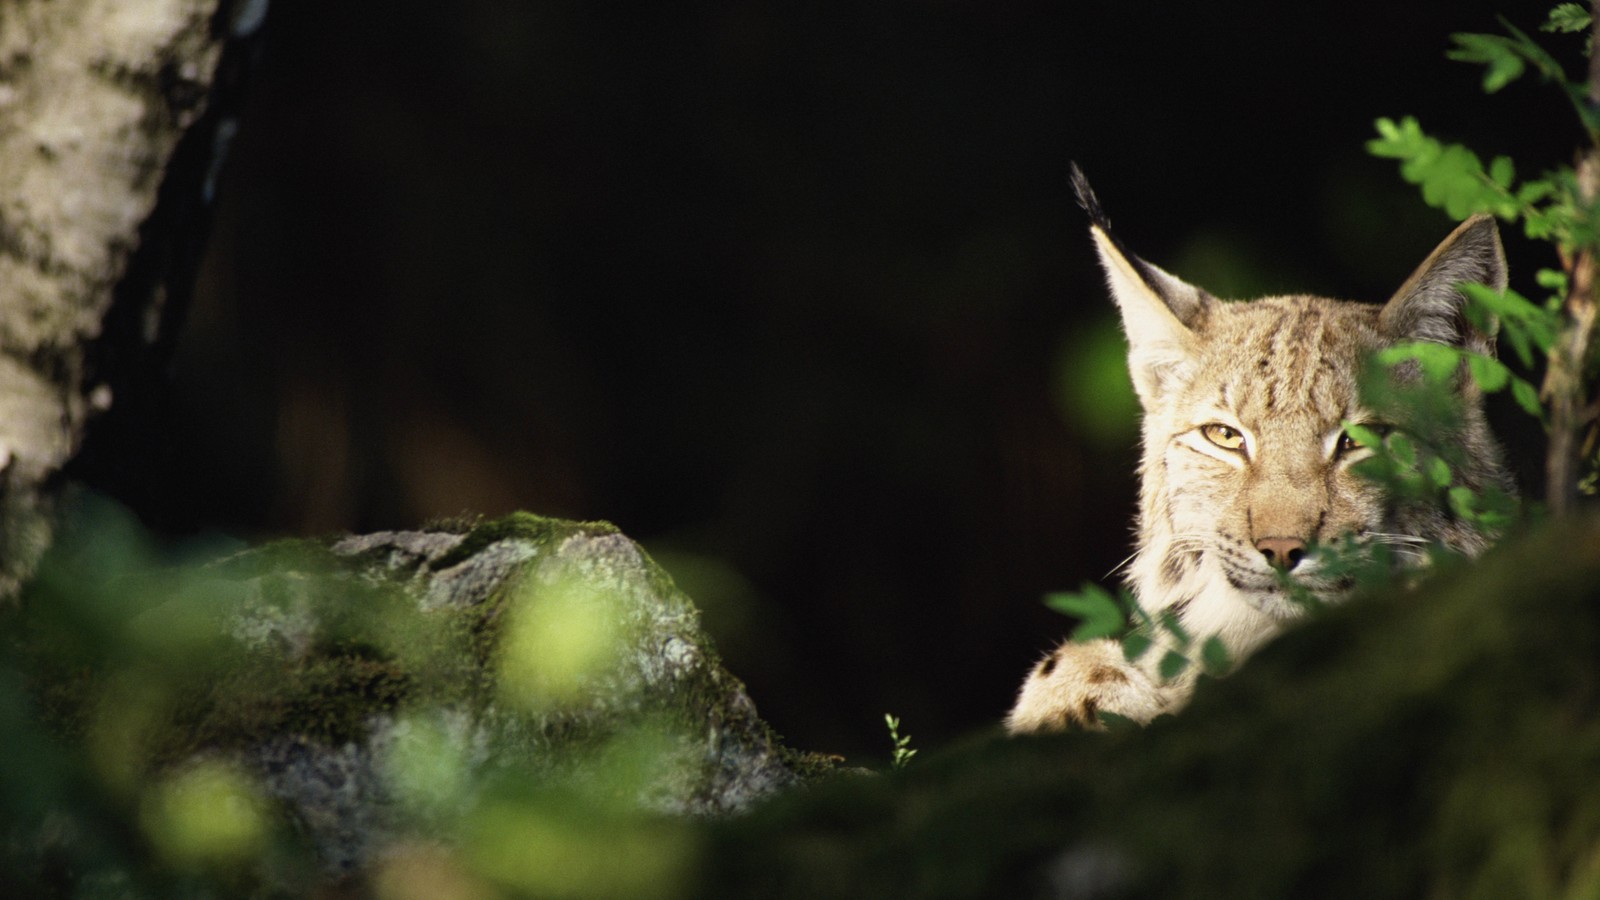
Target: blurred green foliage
[1093,388]
[137,683]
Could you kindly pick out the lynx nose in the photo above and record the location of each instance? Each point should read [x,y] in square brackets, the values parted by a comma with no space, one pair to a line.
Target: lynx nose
[1282,552]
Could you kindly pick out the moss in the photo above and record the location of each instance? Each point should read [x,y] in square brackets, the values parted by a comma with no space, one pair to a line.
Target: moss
[306,555]
[329,699]
[1441,744]
[518,525]
[453,524]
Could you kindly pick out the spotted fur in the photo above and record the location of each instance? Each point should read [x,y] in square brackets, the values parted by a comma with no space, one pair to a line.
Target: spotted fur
[1279,375]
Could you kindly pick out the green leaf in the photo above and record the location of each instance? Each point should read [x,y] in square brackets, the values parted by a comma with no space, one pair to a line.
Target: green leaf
[1567,17]
[1451,176]
[1114,722]
[1490,374]
[1438,472]
[1402,450]
[1529,49]
[1438,361]
[1525,325]
[1502,171]
[1363,435]
[1506,58]
[1100,614]
[1172,665]
[1527,397]
[1141,620]
[1215,657]
[1400,140]
[1135,646]
[1495,508]
[1169,622]
[1551,280]
[1532,192]
[1499,54]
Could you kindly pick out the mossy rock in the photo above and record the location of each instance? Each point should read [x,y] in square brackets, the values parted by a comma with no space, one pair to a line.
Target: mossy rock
[308,663]
[1441,742]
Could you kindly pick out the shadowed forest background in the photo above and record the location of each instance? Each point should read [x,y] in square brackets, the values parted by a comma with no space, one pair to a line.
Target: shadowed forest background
[795,294]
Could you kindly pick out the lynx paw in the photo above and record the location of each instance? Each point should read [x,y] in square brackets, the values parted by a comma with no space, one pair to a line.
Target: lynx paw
[1077,683]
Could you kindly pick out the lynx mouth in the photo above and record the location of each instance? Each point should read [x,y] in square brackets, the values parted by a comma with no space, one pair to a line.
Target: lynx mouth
[1271,589]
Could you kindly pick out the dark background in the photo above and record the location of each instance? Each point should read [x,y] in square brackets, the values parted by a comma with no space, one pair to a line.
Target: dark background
[794,293]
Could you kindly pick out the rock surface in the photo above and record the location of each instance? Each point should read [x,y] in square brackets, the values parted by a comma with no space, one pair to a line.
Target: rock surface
[393,633]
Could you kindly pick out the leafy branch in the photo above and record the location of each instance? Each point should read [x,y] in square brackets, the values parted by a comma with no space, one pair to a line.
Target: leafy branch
[1558,207]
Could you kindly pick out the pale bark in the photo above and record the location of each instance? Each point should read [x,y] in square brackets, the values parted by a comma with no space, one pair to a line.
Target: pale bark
[95,96]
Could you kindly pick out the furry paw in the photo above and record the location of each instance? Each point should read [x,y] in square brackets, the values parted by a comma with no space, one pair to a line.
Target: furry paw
[1078,683]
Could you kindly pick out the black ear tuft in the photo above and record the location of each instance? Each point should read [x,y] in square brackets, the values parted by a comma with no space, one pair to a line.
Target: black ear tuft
[1087,200]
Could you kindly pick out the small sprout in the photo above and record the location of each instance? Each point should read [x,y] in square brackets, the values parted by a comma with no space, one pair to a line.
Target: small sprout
[903,750]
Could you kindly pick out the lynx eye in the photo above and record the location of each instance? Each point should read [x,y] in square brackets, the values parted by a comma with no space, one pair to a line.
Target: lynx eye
[1348,443]
[1223,436]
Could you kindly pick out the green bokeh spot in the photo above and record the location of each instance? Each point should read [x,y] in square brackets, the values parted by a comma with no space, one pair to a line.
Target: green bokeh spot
[1093,387]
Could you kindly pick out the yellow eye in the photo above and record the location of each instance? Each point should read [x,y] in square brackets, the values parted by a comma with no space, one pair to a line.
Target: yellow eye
[1223,436]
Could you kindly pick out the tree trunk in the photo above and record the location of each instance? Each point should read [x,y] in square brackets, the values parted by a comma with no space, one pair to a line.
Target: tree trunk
[110,138]
[1565,387]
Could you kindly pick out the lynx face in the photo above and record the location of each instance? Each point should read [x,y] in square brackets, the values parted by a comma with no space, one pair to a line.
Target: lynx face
[1248,464]
[1246,468]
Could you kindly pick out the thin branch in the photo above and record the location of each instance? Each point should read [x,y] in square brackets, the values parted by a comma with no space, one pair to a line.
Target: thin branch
[1564,387]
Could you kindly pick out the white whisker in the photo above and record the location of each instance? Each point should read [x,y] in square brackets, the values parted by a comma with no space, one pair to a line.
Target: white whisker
[1396,539]
[1121,565]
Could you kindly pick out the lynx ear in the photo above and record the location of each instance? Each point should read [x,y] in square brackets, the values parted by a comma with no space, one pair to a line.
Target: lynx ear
[1160,313]
[1430,305]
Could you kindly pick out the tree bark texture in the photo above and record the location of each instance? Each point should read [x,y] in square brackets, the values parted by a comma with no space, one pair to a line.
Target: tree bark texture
[97,101]
[1565,387]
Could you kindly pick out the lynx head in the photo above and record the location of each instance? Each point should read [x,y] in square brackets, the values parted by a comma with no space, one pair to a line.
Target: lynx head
[1246,466]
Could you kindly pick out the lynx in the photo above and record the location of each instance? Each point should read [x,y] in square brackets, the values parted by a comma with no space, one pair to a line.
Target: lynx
[1246,465]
